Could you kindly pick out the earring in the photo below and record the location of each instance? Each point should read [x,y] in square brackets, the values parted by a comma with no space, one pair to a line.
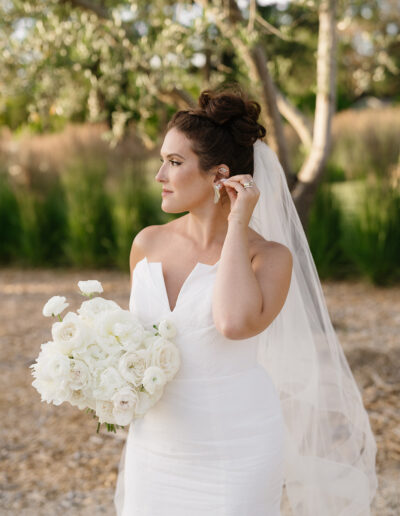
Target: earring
[217,187]
[216,193]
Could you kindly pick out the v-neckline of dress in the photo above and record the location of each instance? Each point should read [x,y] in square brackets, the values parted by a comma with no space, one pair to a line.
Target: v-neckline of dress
[184,284]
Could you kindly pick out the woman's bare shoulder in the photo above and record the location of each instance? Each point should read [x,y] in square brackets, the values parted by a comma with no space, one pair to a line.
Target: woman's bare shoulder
[261,245]
[148,239]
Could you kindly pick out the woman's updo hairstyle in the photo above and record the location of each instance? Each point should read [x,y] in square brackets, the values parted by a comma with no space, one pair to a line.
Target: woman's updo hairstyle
[222,129]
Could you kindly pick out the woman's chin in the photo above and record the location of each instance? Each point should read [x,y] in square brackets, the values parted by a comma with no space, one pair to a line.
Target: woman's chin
[169,209]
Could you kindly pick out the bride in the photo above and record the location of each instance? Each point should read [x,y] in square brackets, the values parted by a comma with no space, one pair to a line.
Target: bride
[264,397]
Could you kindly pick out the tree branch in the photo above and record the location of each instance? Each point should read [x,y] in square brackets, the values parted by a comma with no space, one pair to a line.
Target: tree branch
[99,10]
[300,123]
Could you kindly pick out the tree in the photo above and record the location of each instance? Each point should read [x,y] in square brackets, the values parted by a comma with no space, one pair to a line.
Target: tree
[134,62]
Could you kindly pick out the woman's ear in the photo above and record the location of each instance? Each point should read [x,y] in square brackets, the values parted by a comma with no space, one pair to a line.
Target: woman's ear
[223,170]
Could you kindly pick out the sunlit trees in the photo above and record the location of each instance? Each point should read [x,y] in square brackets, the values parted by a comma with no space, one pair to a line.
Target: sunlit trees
[134,63]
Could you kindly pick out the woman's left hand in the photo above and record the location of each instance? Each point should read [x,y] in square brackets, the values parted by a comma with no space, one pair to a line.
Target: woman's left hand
[243,200]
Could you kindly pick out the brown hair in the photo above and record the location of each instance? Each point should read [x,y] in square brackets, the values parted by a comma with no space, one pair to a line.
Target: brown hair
[222,129]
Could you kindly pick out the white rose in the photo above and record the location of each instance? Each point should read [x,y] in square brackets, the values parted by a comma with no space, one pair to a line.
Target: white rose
[124,402]
[167,329]
[108,383]
[79,375]
[54,306]
[71,333]
[91,308]
[104,411]
[166,355]
[90,286]
[78,399]
[153,378]
[133,364]
[146,401]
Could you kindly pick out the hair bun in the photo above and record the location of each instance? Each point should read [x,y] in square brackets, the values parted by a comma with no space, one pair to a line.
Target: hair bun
[234,110]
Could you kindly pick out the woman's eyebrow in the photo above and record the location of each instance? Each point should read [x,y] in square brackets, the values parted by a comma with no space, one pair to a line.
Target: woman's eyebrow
[173,154]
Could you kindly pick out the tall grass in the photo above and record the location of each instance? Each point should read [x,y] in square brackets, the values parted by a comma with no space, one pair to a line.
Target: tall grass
[325,233]
[363,241]
[10,223]
[88,211]
[366,142]
[91,238]
[134,206]
[30,252]
[81,219]
[372,238]
[52,221]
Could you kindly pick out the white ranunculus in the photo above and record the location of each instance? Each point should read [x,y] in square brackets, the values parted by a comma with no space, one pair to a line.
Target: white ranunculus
[49,347]
[129,335]
[51,372]
[148,339]
[50,363]
[124,402]
[122,327]
[95,352]
[52,391]
[153,378]
[79,375]
[91,308]
[146,401]
[133,364]
[106,348]
[54,306]
[104,411]
[167,329]
[109,382]
[90,286]
[72,333]
[166,355]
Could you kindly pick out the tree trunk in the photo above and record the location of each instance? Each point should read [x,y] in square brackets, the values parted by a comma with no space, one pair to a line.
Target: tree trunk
[256,60]
[274,126]
[312,170]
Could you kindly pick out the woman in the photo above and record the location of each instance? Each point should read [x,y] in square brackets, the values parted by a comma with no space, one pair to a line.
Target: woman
[244,413]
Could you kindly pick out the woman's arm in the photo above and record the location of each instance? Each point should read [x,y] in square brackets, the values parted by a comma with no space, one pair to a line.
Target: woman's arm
[248,294]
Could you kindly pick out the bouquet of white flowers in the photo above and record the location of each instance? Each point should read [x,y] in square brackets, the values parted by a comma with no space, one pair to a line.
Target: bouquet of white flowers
[102,359]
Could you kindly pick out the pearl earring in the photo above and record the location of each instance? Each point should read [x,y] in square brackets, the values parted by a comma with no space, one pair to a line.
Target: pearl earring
[216,193]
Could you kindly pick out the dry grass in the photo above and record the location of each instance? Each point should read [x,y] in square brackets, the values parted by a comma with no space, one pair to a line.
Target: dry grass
[364,141]
[53,461]
[30,158]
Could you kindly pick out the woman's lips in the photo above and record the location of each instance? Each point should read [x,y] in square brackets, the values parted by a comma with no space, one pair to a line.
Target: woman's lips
[165,192]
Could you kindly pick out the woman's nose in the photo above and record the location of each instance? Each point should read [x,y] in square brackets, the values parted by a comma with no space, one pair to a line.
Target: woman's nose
[159,176]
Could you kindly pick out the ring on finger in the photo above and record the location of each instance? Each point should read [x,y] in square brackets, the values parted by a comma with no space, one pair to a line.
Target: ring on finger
[248,184]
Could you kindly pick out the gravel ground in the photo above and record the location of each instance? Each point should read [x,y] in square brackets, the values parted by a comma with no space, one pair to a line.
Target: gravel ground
[53,462]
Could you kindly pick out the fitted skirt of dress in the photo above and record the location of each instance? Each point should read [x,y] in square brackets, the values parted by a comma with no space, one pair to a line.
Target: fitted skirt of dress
[210,446]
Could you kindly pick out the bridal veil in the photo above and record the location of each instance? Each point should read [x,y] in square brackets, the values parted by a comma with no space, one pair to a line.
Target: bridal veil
[329,446]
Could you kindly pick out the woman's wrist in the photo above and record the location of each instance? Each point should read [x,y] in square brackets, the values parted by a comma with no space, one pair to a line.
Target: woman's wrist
[236,221]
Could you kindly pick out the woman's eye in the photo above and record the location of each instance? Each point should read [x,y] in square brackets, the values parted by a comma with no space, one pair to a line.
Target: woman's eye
[176,163]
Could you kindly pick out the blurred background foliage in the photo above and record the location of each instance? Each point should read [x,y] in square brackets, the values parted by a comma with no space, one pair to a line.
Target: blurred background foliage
[85,98]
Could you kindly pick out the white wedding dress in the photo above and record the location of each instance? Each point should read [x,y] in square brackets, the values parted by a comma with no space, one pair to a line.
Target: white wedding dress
[213,444]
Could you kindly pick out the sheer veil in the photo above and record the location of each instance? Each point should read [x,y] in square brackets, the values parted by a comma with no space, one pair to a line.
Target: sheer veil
[330,449]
